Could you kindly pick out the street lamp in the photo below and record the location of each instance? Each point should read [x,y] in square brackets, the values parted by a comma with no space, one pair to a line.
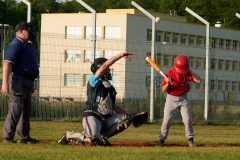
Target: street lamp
[4,27]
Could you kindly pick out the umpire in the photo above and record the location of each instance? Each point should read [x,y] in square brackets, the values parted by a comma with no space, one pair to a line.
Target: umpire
[19,72]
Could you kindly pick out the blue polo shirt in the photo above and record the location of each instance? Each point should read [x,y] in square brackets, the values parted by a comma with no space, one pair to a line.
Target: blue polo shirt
[23,57]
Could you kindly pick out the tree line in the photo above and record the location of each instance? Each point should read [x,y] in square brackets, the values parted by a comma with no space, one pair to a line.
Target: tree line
[12,12]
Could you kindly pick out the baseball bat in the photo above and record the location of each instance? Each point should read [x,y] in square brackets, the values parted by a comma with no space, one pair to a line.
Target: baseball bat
[150,61]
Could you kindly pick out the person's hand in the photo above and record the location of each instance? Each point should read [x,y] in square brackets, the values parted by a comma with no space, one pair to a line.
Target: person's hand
[168,80]
[126,54]
[4,89]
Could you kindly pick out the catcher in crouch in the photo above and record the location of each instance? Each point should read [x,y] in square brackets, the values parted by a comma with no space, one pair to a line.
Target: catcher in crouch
[98,118]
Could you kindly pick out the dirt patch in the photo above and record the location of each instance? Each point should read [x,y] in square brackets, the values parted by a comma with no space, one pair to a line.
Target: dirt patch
[142,144]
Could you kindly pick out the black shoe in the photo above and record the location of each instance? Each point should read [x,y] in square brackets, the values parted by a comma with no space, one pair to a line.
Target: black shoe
[29,141]
[105,143]
[63,140]
[7,140]
[160,144]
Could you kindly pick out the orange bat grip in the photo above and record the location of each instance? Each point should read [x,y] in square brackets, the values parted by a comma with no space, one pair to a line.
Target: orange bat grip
[153,64]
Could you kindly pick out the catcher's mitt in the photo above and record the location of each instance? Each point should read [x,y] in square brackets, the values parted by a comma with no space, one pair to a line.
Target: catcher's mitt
[140,118]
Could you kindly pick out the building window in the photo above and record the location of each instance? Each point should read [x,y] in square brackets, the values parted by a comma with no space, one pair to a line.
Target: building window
[149,35]
[73,55]
[89,33]
[173,59]
[213,64]
[200,41]
[234,65]
[89,57]
[86,79]
[199,63]
[175,38]
[191,85]
[35,83]
[159,59]
[72,79]
[110,54]
[115,80]
[74,32]
[204,63]
[214,43]
[227,44]
[158,82]
[148,55]
[228,65]
[220,67]
[184,39]
[192,40]
[166,60]
[112,32]
[234,86]
[191,62]
[234,45]
[198,86]
[227,86]
[213,85]
[203,83]
[148,80]
[158,36]
[168,37]
[220,43]
[220,85]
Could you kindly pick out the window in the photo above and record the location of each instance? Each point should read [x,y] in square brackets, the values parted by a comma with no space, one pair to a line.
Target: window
[112,32]
[86,78]
[220,85]
[74,32]
[148,80]
[213,85]
[184,39]
[175,38]
[110,54]
[149,35]
[204,63]
[35,83]
[166,60]
[158,36]
[213,64]
[214,43]
[227,86]
[73,55]
[159,59]
[234,45]
[168,37]
[234,86]
[148,55]
[173,59]
[158,82]
[203,83]
[72,79]
[200,43]
[199,63]
[198,86]
[115,80]
[227,44]
[89,56]
[192,40]
[191,62]
[234,65]
[191,85]
[228,65]
[89,33]
[220,66]
[220,43]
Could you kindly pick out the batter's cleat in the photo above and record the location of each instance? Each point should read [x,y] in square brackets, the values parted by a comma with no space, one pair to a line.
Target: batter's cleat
[29,141]
[160,144]
[105,143]
[7,140]
[64,140]
[191,143]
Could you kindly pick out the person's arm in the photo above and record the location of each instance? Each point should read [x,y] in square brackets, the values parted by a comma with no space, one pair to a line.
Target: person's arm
[196,78]
[105,66]
[119,110]
[6,71]
[165,87]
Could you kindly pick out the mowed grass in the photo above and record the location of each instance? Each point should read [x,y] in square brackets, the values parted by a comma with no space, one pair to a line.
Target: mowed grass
[53,130]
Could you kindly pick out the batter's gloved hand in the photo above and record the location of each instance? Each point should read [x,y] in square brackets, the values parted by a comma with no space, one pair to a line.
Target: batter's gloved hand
[140,118]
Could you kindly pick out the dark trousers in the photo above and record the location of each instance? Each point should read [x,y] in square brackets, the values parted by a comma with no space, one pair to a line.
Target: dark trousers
[19,111]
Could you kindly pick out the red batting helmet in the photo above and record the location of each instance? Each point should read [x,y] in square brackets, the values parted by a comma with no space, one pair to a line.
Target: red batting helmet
[181,64]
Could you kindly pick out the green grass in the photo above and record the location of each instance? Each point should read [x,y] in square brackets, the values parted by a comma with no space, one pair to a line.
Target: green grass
[53,130]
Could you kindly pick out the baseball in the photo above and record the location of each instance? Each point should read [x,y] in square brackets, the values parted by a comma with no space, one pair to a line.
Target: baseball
[157,19]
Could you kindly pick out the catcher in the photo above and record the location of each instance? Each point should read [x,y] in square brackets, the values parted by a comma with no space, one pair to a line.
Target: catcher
[98,118]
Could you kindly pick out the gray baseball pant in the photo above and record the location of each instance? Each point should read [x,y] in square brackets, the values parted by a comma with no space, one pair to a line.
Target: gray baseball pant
[19,112]
[172,104]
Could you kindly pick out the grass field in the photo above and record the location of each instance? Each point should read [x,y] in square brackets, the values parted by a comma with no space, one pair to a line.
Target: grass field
[226,140]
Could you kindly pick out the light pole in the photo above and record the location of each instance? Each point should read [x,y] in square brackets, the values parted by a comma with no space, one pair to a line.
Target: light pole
[4,27]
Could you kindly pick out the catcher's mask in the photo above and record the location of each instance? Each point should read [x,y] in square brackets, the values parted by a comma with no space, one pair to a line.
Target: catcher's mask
[28,27]
[97,64]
